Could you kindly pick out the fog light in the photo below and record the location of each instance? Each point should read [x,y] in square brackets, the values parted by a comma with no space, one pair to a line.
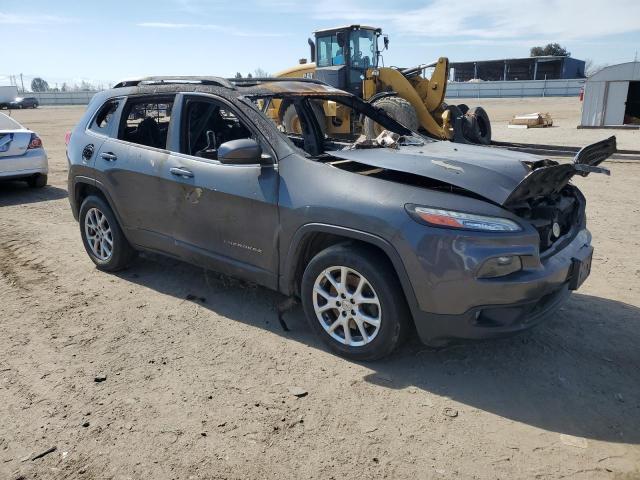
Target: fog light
[500,266]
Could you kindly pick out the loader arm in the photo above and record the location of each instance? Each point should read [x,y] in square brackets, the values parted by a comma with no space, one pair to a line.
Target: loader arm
[424,95]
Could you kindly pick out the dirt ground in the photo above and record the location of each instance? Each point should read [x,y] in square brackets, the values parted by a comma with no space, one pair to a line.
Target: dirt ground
[198,369]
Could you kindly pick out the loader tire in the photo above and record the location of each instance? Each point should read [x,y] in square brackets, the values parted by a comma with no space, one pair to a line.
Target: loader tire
[464,108]
[291,121]
[397,108]
[484,126]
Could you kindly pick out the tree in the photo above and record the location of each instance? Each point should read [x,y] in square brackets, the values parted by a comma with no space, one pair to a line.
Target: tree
[591,68]
[39,85]
[260,73]
[238,75]
[249,75]
[550,49]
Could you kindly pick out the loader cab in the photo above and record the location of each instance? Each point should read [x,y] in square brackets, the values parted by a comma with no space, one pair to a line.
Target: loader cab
[344,54]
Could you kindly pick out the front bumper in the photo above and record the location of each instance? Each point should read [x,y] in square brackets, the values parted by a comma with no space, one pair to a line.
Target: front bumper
[503,306]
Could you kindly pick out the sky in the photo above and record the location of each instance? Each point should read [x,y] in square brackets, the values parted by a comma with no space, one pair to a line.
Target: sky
[106,41]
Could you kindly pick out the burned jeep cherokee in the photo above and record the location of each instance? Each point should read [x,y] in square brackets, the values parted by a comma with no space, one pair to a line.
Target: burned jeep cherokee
[373,231]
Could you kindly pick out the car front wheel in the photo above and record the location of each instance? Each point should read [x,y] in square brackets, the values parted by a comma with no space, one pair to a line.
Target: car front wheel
[352,300]
[102,236]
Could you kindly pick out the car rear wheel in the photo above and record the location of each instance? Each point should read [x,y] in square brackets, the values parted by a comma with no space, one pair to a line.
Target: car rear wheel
[37,181]
[102,236]
[353,302]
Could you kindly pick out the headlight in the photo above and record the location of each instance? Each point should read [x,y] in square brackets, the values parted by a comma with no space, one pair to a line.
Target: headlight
[437,217]
[500,266]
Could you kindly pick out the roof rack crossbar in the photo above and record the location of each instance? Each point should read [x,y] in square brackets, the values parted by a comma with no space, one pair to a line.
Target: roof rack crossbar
[155,80]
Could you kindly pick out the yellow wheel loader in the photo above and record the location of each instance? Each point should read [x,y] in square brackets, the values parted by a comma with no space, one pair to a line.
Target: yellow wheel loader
[348,58]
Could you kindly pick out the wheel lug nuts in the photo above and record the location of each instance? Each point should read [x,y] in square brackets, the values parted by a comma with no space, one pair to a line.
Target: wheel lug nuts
[352,301]
[344,314]
[338,304]
[343,296]
[353,312]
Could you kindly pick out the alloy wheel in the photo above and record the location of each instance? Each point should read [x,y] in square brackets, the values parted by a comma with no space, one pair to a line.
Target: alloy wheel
[347,306]
[98,233]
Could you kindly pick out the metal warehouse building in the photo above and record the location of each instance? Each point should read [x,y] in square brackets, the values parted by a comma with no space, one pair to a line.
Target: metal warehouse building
[528,68]
[612,97]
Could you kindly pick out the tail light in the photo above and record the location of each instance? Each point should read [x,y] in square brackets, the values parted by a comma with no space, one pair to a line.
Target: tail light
[67,138]
[35,142]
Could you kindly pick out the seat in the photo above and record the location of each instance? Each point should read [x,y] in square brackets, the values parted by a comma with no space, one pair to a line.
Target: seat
[148,133]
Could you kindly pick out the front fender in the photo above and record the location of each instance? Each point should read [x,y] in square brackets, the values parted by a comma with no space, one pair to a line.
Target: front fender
[296,248]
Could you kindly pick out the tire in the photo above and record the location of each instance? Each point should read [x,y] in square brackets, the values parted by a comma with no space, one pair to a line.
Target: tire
[397,108]
[292,124]
[484,125]
[121,253]
[464,108]
[37,181]
[367,341]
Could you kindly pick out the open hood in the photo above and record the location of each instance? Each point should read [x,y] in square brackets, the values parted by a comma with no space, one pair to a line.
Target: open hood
[501,176]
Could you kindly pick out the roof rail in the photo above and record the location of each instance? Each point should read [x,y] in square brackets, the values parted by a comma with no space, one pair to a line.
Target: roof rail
[217,81]
[256,81]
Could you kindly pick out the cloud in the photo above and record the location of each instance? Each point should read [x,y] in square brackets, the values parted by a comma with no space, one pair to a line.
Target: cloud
[209,26]
[558,20]
[39,19]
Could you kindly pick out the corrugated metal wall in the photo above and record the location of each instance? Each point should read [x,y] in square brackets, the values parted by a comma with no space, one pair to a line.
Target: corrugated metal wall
[515,88]
[62,98]
[530,88]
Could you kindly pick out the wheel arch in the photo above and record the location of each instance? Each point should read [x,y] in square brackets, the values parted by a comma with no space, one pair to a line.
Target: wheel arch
[315,237]
[84,187]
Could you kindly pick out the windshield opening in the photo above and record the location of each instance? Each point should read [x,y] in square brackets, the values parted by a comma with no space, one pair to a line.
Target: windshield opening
[323,123]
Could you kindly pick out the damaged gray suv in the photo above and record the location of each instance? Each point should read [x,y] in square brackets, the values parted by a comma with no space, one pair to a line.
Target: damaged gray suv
[376,236]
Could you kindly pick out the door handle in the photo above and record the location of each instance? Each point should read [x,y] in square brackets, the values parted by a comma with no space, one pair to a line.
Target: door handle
[109,156]
[181,172]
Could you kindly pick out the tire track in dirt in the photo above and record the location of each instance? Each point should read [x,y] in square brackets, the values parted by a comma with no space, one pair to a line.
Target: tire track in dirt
[21,264]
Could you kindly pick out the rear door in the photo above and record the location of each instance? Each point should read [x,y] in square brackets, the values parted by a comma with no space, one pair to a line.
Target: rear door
[131,166]
[228,214]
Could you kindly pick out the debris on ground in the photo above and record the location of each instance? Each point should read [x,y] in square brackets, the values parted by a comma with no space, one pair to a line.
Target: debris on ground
[450,412]
[297,392]
[531,120]
[46,452]
[99,378]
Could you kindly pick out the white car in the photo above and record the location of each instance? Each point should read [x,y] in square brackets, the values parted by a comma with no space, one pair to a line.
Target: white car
[21,154]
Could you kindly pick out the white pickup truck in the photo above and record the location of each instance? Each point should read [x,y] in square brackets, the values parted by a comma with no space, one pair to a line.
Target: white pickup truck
[8,94]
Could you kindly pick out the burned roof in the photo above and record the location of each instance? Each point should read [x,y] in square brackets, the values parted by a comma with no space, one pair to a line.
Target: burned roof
[232,87]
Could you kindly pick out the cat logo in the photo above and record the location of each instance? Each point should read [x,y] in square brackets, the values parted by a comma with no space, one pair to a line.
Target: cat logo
[307,75]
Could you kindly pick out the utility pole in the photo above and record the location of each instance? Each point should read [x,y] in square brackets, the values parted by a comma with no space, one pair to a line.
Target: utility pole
[22,82]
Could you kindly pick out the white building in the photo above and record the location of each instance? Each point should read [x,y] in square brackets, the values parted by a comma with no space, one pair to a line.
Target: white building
[612,97]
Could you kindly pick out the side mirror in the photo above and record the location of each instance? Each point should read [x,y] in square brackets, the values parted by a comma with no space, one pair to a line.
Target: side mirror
[245,151]
[341,38]
[385,39]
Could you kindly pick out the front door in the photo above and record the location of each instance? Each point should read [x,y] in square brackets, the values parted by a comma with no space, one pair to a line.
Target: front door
[228,213]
